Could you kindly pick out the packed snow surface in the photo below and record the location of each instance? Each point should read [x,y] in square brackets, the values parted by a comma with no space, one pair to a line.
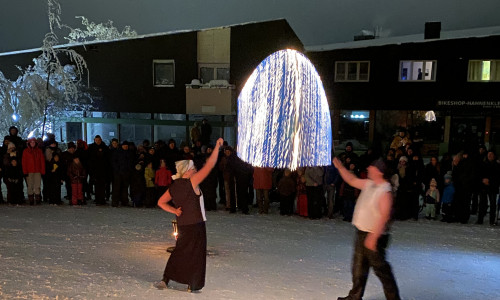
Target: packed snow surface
[49,252]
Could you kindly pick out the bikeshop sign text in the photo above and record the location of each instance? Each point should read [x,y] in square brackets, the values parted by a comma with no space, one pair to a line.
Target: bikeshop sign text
[468,104]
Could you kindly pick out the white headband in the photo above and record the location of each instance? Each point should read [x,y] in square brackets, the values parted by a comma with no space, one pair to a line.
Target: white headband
[182,167]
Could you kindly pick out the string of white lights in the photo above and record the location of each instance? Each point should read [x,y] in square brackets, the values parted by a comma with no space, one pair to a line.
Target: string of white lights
[283,114]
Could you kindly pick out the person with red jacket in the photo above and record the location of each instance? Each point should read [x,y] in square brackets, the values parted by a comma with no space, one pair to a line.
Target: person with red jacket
[262,183]
[33,169]
[163,178]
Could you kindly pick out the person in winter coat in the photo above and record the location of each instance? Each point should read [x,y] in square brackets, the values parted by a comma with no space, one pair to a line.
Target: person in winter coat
[348,153]
[78,175]
[15,138]
[195,133]
[314,187]
[54,178]
[447,200]
[404,193]
[349,195]
[138,185]
[153,156]
[262,182]
[123,165]
[490,181]
[206,132]
[8,153]
[33,163]
[82,151]
[463,179]
[13,179]
[149,176]
[99,168]
[113,147]
[432,197]
[163,178]
[187,153]
[416,170]
[332,180]
[301,193]
[172,154]
[66,160]
[401,139]
[479,160]
[243,173]
[227,166]
[209,185]
[433,170]
[286,190]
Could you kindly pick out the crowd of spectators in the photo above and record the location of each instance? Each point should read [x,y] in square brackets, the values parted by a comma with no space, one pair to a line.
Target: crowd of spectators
[125,174]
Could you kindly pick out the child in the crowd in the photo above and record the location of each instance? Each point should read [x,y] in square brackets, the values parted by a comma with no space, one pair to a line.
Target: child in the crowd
[77,174]
[286,190]
[138,185]
[431,198]
[301,193]
[348,195]
[13,178]
[149,176]
[54,179]
[163,178]
[447,200]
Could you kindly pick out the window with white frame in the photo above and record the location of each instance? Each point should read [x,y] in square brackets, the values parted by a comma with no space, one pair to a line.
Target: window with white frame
[484,70]
[352,71]
[213,72]
[164,73]
[417,70]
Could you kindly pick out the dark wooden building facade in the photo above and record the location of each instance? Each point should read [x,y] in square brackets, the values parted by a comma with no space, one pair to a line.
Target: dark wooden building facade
[144,83]
[459,82]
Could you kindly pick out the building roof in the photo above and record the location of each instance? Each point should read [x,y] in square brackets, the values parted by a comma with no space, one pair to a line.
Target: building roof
[414,38]
[143,36]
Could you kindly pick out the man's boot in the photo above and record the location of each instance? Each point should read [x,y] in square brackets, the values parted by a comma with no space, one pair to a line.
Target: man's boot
[38,199]
[31,199]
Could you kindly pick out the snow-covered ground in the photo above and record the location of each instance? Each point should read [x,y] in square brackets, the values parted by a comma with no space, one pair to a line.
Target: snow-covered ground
[49,252]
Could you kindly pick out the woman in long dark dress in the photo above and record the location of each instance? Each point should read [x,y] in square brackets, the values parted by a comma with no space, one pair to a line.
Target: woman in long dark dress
[187,263]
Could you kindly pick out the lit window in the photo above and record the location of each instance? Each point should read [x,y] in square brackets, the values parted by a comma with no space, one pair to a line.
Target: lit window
[163,72]
[484,70]
[352,71]
[417,70]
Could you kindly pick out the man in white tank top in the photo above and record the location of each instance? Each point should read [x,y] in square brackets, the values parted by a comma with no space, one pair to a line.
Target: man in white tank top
[371,217]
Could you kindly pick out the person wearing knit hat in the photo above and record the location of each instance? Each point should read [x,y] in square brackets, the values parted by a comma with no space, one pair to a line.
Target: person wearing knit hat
[447,199]
[187,263]
[371,217]
[432,197]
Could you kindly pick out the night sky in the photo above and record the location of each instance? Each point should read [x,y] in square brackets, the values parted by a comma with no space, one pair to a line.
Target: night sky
[23,23]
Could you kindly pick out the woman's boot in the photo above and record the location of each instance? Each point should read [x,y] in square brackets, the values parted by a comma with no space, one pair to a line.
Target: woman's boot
[38,199]
[31,199]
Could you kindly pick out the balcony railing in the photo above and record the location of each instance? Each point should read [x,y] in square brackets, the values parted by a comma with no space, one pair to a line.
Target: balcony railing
[218,97]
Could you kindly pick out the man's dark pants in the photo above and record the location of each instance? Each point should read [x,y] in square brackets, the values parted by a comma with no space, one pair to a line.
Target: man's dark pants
[363,259]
